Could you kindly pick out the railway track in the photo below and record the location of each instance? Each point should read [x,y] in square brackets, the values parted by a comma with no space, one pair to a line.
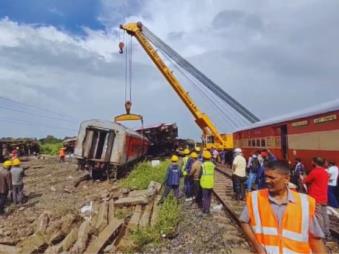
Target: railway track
[223,190]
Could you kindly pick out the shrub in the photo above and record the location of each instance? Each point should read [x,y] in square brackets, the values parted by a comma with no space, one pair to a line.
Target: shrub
[50,149]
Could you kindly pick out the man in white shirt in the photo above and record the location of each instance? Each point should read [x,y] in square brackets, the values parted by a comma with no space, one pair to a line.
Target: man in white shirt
[332,184]
[239,174]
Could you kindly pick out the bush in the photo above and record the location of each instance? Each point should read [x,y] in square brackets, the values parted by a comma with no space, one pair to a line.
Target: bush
[50,149]
[143,174]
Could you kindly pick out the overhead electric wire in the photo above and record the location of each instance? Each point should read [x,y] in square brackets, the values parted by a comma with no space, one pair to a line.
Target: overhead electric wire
[200,76]
[36,115]
[20,121]
[62,115]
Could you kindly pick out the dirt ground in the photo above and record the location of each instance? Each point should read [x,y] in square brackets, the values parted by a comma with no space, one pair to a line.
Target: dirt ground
[48,186]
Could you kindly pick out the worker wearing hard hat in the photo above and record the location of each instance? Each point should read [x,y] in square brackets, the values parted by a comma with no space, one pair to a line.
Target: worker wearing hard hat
[207,181]
[172,179]
[5,184]
[17,174]
[239,174]
[186,167]
[194,174]
[188,181]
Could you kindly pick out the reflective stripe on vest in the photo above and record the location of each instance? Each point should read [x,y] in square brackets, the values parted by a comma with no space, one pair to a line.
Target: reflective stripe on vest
[270,234]
[207,177]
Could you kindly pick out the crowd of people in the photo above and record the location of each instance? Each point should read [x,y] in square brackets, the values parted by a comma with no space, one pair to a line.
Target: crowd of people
[286,205]
[197,169]
[273,186]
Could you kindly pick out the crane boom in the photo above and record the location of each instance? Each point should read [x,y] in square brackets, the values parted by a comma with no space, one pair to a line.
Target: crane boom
[202,120]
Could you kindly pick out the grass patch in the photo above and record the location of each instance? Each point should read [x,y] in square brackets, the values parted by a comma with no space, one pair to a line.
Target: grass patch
[167,221]
[143,173]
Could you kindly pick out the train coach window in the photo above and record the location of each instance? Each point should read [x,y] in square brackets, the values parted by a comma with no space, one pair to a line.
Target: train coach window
[258,142]
[249,142]
[263,143]
[253,142]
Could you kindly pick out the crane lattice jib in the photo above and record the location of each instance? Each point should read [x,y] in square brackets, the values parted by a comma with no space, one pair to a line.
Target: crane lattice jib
[203,121]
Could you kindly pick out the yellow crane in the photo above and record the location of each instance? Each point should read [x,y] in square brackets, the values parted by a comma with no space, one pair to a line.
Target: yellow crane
[211,136]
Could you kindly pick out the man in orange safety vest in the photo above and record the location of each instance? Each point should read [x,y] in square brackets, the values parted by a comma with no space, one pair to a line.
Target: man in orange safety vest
[279,220]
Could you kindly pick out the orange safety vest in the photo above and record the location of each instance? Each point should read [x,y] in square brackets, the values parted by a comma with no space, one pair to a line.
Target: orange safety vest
[293,234]
[61,152]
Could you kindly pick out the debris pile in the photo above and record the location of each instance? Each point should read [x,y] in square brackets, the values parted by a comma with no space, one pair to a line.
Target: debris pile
[97,227]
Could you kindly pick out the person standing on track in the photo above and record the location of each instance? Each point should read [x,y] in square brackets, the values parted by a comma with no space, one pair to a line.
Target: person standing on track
[207,181]
[278,220]
[239,174]
[195,174]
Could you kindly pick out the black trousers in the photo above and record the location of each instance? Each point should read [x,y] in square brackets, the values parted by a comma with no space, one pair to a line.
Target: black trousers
[3,198]
[239,186]
[197,192]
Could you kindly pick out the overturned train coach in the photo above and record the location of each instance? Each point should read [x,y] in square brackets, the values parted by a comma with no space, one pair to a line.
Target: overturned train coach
[107,148]
[305,134]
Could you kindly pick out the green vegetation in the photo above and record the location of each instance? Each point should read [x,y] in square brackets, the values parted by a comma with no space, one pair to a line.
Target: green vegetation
[51,149]
[143,174]
[170,211]
[50,145]
[166,224]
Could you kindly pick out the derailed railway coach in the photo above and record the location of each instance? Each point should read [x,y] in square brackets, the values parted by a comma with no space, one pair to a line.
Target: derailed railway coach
[305,134]
[106,148]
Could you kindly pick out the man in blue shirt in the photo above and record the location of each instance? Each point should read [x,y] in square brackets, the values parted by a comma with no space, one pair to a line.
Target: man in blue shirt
[172,179]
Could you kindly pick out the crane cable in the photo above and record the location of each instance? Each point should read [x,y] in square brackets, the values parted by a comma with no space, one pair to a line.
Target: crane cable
[176,66]
[200,76]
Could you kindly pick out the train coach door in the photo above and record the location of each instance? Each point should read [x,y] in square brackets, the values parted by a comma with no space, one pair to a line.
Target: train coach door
[109,145]
[284,141]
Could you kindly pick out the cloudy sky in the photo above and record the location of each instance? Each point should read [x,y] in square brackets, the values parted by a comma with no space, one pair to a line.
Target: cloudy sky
[59,60]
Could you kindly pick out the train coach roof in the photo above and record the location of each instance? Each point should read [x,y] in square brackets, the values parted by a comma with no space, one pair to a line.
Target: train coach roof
[314,110]
[106,125]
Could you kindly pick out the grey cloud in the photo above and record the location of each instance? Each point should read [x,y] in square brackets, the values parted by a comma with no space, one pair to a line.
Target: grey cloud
[228,18]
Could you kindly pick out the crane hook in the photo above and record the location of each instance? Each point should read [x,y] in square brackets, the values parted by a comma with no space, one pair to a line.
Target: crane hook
[121,47]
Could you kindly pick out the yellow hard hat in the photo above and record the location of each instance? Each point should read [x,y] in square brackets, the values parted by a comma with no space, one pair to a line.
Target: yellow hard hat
[186,151]
[7,164]
[194,155]
[174,158]
[16,162]
[206,154]
[197,149]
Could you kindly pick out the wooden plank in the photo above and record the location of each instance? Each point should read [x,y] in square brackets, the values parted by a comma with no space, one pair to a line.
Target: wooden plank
[102,219]
[83,236]
[110,211]
[134,221]
[145,218]
[140,200]
[104,237]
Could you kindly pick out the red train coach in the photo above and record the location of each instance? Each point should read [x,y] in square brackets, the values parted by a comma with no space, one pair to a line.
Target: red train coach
[312,132]
[107,147]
